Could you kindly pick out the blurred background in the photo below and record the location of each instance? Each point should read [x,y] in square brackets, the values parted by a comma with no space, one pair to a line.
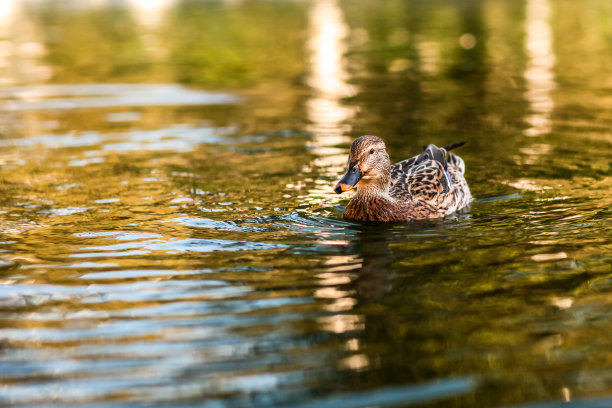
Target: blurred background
[169,235]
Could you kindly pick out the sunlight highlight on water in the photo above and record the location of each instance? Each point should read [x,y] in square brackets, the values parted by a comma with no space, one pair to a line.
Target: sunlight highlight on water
[56,97]
[539,74]
[328,79]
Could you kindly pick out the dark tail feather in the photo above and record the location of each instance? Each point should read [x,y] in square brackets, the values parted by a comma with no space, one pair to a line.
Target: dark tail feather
[432,152]
[454,146]
[450,147]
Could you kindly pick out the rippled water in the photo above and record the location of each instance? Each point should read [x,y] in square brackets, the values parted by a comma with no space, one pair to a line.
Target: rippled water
[169,235]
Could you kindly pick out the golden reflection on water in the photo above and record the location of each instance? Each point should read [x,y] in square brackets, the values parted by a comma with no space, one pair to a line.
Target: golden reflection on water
[342,323]
[151,13]
[539,74]
[355,362]
[429,56]
[328,80]
[22,50]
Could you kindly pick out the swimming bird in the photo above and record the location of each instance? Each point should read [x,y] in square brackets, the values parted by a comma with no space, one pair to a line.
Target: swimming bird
[429,185]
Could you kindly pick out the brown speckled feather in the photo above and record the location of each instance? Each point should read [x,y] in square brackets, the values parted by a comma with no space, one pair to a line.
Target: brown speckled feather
[430,185]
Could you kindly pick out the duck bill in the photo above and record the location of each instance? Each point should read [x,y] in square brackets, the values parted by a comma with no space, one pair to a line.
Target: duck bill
[349,180]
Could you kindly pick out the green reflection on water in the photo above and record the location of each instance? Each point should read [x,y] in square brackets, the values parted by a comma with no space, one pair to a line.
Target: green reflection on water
[195,251]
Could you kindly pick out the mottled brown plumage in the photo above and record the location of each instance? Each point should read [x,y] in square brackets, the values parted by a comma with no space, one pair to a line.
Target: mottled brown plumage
[430,185]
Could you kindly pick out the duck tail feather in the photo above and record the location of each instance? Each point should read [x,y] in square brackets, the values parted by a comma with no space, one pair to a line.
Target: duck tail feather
[454,146]
[432,152]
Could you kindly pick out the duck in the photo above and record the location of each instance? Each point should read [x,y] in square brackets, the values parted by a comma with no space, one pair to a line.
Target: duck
[427,186]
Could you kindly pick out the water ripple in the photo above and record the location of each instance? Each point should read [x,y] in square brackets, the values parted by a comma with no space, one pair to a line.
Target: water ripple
[54,97]
[175,246]
[218,225]
[213,245]
[397,396]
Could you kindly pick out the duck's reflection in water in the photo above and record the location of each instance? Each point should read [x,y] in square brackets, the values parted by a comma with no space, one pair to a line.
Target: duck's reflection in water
[378,300]
[358,278]
[374,245]
[362,279]
[375,277]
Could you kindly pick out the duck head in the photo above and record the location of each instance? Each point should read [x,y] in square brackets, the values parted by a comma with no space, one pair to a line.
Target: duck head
[369,167]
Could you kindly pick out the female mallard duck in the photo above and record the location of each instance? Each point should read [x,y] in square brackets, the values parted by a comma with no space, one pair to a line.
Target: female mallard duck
[430,185]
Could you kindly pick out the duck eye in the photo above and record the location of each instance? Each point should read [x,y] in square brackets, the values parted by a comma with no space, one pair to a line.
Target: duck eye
[371,151]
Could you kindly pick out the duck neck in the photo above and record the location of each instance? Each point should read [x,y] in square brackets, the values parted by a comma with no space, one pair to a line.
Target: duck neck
[374,185]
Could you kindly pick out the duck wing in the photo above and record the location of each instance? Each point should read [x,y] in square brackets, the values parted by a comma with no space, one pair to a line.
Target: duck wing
[398,170]
[399,178]
[422,177]
[431,152]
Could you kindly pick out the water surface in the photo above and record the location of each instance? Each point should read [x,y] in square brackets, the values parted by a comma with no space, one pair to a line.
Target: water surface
[169,235]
